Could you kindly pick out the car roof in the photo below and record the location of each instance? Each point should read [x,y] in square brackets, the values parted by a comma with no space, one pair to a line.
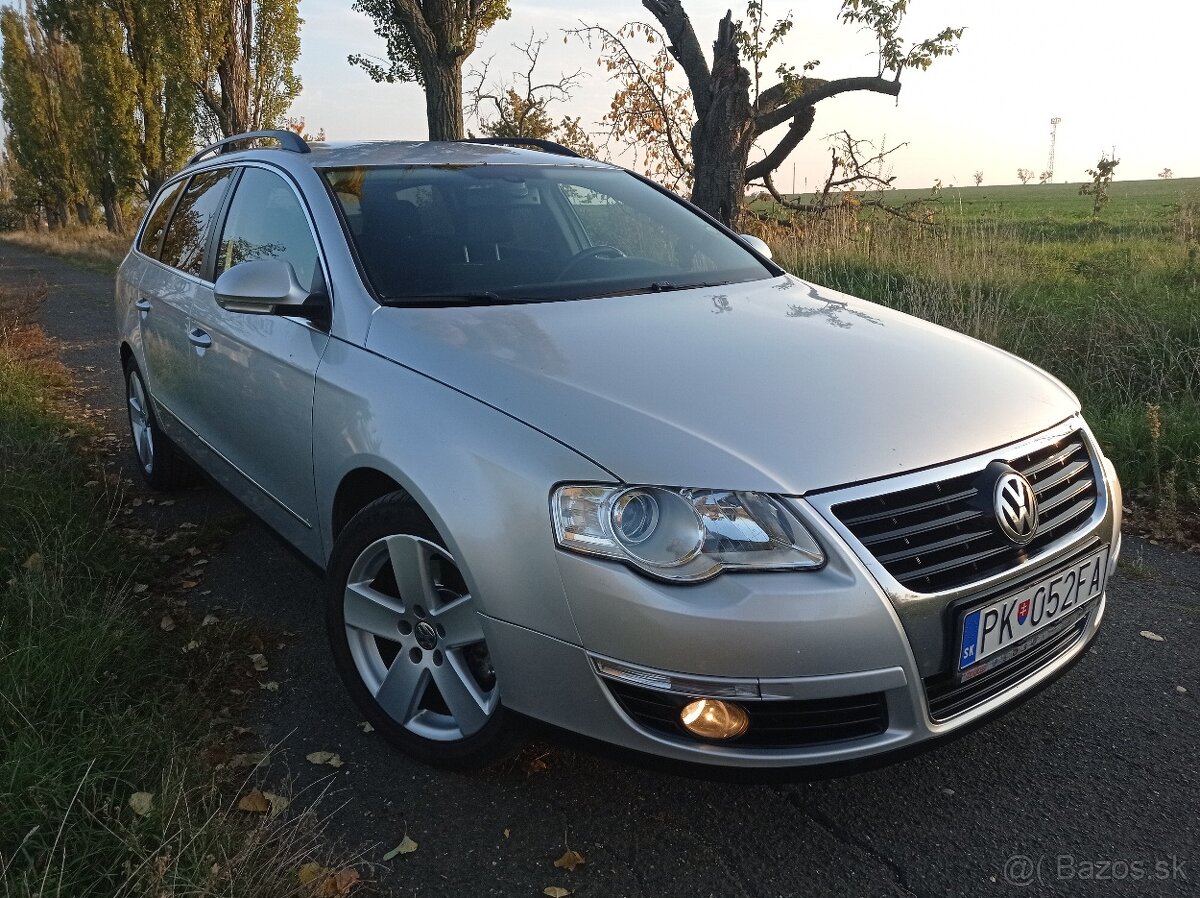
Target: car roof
[329,154]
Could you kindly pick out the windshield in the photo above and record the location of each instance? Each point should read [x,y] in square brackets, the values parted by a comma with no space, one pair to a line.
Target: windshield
[491,233]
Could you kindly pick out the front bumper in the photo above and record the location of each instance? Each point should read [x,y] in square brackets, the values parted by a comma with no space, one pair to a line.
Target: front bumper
[794,646]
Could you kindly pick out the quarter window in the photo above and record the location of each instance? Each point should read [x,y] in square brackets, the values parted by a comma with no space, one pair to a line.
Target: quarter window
[266,221]
[187,235]
[156,221]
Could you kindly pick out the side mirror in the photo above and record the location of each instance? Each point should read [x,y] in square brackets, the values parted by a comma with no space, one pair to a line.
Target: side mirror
[263,287]
[758,245]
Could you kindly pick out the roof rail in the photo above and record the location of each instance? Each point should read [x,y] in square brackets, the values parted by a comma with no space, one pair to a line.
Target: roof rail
[288,140]
[546,146]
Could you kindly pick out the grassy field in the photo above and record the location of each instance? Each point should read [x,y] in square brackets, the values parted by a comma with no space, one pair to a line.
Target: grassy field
[118,773]
[1111,307]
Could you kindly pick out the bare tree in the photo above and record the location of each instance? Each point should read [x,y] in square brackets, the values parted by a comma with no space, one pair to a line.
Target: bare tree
[1166,173]
[1025,175]
[520,105]
[1046,177]
[1102,177]
[732,109]
[978,176]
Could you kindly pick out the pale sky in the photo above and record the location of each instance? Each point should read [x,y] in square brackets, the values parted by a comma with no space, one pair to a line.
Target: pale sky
[1117,73]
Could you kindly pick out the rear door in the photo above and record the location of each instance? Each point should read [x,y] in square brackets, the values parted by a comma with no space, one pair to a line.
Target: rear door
[256,379]
[171,291]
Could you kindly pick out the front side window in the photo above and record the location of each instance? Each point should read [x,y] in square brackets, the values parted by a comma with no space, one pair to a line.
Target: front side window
[156,220]
[187,235]
[528,233]
[266,221]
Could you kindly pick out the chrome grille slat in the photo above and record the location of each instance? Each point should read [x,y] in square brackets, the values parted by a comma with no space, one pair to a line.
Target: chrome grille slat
[1053,460]
[935,537]
[1066,474]
[1065,496]
[939,546]
[910,509]
[961,518]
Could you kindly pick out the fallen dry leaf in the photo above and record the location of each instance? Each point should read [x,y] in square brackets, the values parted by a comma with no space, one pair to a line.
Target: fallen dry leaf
[259,661]
[556,892]
[324,757]
[366,727]
[279,804]
[167,624]
[209,620]
[569,860]
[191,646]
[247,759]
[255,802]
[188,584]
[1153,637]
[270,686]
[141,802]
[507,832]
[311,872]
[139,588]
[340,883]
[406,846]
[35,564]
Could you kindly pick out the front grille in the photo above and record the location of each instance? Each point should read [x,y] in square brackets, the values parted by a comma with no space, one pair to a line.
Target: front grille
[946,698]
[773,723]
[944,535]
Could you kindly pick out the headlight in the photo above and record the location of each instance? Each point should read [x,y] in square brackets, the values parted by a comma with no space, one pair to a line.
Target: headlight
[686,535]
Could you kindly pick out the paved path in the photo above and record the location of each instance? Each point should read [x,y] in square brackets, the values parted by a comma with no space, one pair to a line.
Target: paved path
[1101,768]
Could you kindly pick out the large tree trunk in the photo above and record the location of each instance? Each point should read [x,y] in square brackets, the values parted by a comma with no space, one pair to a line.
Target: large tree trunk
[722,137]
[444,99]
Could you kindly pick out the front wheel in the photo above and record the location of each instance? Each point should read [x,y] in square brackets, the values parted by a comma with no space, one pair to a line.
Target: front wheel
[407,639]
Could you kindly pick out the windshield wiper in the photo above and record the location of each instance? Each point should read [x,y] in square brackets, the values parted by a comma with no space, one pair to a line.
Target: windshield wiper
[668,286]
[442,300]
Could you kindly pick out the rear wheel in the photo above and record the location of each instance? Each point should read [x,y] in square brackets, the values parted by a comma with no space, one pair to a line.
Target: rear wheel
[162,464]
[407,638]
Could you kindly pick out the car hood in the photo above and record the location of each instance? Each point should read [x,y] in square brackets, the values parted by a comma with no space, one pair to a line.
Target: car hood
[777,385]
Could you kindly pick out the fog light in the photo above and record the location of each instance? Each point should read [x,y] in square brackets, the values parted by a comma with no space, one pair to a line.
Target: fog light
[710,718]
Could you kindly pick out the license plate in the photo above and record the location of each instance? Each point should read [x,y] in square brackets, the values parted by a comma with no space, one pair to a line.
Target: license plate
[997,627]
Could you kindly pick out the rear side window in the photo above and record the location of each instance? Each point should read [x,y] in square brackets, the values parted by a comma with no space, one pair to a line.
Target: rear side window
[187,234]
[156,221]
[266,221]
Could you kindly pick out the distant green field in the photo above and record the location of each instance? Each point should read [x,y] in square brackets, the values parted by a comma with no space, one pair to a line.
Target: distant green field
[1111,307]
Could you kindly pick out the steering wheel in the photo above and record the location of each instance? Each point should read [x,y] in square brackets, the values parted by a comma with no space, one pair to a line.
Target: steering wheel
[599,251]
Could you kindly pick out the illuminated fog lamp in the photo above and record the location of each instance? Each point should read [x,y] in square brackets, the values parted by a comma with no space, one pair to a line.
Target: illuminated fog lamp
[711,718]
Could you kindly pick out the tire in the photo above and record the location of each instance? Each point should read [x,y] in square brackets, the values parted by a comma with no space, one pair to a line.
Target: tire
[162,465]
[413,656]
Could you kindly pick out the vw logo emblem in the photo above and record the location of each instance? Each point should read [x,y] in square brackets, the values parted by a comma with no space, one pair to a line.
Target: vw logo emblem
[1016,508]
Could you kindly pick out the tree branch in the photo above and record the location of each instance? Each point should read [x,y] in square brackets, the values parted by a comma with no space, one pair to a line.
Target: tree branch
[798,130]
[817,90]
[685,48]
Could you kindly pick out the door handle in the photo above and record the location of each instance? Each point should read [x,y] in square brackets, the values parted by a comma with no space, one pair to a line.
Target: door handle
[199,338]
[143,305]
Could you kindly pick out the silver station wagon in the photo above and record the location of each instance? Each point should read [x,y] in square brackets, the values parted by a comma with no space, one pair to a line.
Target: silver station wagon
[567,449]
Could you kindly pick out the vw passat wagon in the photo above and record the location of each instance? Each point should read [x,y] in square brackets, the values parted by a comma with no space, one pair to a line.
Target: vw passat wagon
[568,449]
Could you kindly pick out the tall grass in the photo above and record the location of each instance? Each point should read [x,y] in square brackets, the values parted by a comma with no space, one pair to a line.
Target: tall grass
[96,703]
[1113,310]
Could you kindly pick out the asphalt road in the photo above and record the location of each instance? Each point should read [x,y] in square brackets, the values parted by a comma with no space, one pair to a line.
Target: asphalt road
[1081,791]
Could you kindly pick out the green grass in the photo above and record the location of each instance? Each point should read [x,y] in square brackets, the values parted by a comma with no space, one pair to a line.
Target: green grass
[1110,307]
[96,702]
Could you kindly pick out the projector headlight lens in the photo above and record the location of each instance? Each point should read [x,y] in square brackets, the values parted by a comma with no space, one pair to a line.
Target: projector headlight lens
[683,535]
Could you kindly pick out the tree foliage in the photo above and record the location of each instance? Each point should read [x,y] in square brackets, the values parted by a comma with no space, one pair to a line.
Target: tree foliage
[242,56]
[39,80]
[1102,178]
[426,43]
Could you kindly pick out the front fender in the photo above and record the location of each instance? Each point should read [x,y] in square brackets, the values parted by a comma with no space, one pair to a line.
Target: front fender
[481,476]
